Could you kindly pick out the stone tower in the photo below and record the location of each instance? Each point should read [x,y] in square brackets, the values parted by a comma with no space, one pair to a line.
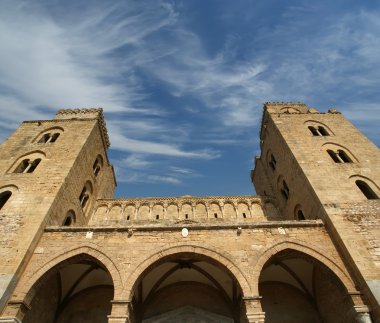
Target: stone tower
[306,249]
[49,175]
[319,166]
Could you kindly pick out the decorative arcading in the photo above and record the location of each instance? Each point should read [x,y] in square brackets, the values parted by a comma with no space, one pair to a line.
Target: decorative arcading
[87,113]
[184,208]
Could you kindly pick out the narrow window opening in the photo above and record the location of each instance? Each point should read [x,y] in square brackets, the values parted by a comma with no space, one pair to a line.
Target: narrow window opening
[68,221]
[334,156]
[300,215]
[186,216]
[33,165]
[272,162]
[285,190]
[22,166]
[366,190]
[314,131]
[244,216]
[97,166]
[343,156]
[323,131]
[54,137]
[157,216]
[4,197]
[128,218]
[83,198]
[70,218]
[215,215]
[44,139]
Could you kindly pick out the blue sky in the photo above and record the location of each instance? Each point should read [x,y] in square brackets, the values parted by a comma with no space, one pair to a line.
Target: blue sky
[182,83]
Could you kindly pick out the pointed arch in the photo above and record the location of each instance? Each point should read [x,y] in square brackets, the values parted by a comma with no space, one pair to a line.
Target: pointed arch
[27,286]
[291,245]
[214,255]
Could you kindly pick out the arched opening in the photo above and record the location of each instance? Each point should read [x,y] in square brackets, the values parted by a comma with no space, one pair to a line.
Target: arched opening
[187,287]
[69,219]
[96,167]
[296,287]
[85,194]
[4,197]
[314,131]
[323,131]
[366,190]
[78,290]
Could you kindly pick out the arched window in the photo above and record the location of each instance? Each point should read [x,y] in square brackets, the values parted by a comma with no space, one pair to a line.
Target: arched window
[54,137]
[83,197]
[4,197]
[44,139]
[300,215]
[366,190]
[320,131]
[333,156]
[85,194]
[49,137]
[339,156]
[285,190]
[98,163]
[323,131]
[314,131]
[272,162]
[343,156]
[27,166]
[69,219]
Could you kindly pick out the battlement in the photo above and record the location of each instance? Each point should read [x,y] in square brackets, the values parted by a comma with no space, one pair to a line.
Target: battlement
[86,113]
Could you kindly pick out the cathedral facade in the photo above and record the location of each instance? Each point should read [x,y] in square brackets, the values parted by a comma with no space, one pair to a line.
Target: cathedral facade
[305,249]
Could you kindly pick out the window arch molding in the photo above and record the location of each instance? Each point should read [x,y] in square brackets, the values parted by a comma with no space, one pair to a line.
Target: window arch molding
[290,110]
[361,183]
[316,124]
[51,131]
[337,148]
[27,158]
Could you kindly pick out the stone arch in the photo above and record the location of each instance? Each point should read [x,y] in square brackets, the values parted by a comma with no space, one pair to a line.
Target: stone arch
[215,208]
[32,155]
[291,245]
[365,178]
[290,110]
[28,284]
[214,255]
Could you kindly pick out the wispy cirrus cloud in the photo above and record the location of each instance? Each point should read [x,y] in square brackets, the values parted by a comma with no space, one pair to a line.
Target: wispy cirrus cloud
[170,92]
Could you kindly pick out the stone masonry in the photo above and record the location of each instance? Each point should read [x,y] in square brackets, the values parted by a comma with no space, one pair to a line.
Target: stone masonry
[305,249]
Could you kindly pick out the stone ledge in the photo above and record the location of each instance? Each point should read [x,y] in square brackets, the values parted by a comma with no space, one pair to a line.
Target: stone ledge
[208,226]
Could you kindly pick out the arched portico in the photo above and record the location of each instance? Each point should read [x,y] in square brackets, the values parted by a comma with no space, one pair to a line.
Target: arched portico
[299,284]
[65,287]
[187,279]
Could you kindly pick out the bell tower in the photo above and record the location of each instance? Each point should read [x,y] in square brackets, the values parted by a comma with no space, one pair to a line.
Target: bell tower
[318,165]
[51,172]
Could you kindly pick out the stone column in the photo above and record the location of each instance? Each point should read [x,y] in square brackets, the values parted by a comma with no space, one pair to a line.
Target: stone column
[120,312]
[254,312]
